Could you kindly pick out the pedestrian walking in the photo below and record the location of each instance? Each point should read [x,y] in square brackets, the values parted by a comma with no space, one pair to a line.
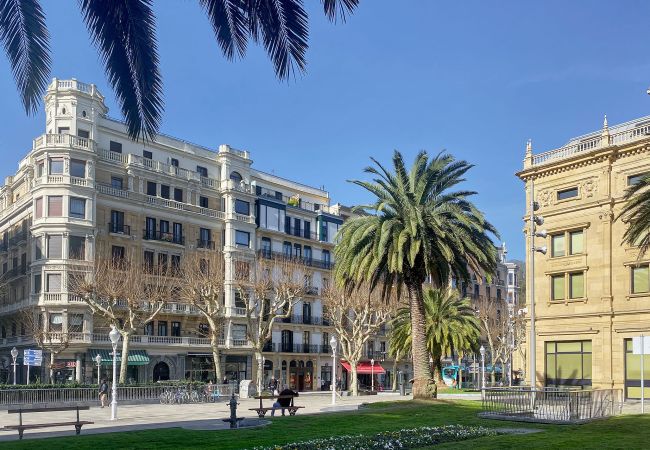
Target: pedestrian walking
[103,392]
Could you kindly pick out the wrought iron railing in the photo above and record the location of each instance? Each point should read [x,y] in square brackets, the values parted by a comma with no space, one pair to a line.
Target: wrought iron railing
[551,404]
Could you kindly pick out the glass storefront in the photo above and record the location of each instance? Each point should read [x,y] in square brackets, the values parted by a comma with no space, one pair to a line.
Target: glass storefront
[568,363]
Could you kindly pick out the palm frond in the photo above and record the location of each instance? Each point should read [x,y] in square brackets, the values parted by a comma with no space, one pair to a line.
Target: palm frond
[335,9]
[124,33]
[26,42]
[229,22]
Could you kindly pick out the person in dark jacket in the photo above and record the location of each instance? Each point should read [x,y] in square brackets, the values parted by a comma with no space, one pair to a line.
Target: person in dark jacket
[284,400]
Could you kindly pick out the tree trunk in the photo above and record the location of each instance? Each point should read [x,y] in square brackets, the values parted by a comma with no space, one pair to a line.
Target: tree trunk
[260,370]
[52,367]
[437,369]
[424,387]
[353,379]
[216,357]
[125,357]
[395,375]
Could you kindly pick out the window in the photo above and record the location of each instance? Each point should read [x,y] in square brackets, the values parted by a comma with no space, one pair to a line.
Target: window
[176,264]
[148,260]
[634,179]
[567,193]
[204,329]
[146,154]
[37,284]
[326,259]
[115,147]
[178,194]
[203,202]
[205,237]
[307,229]
[242,238]
[151,188]
[296,227]
[576,285]
[164,191]
[174,162]
[558,245]
[83,133]
[568,363]
[54,246]
[38,248]
[162,261]
[202,171]
[557,287]
[53,282]
[148,329]
[266,247]
[297,250]
[56,166]
[117,253]
[77,247]
[242,207]
[575,240]
[287,225]
[116,183]
[162,328]
[78,168]
[307,254]
[38,208]
[238,332]
[271,218]
[286,249]
[164,226]
[178,233]
[78,207]
[235,176]
[176,329]
[76,323]
[640,279]
[64,130]
[56,322]
[117,222]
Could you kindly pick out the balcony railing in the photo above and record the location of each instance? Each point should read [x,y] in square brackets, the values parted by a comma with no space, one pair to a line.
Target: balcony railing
[119,228]
[63,140]
[305,320]
[153,235]
[320,264]
[300,232]
[209,245]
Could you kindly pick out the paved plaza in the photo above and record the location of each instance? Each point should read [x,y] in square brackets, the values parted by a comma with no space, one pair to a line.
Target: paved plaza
[201,416]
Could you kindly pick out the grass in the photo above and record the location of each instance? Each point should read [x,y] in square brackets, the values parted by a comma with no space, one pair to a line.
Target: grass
[625,432]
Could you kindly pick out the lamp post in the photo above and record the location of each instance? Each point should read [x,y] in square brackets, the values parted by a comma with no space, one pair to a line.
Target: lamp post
[372,375]
[482,350]
[14,355]
[114,336]
[98,360]
[333,344]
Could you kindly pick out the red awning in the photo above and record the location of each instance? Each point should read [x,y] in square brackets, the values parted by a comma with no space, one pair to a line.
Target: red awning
[365,367]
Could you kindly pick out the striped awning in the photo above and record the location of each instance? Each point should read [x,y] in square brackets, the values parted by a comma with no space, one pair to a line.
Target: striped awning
[136,357]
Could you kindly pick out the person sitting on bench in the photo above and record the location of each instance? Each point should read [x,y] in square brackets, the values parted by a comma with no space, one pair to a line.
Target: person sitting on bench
[284,400]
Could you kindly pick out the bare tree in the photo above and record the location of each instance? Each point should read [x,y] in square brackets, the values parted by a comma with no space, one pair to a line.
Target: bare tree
[125,293]
[49,341]
[203,287]
[356,314]
[492,315]
[269,289]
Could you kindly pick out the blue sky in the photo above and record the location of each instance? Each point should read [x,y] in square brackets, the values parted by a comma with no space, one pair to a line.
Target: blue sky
[474,78]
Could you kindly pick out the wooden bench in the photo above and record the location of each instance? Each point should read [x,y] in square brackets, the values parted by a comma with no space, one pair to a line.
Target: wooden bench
[261,411]
[22,427]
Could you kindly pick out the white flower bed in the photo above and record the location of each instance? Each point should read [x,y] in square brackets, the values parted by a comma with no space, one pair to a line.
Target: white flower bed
[389,440]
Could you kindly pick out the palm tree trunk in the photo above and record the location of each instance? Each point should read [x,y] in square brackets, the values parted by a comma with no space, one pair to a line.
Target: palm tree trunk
[125,357]
[394,375]
[423,386]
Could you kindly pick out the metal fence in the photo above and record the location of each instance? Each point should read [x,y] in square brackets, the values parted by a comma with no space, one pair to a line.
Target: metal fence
[90,395]
[554,405]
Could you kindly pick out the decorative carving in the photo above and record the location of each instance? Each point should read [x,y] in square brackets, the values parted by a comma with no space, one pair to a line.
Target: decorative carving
[545,198]
[590,187]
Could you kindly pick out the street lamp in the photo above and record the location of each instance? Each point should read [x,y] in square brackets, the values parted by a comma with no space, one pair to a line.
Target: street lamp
[333,344]
[482,350]
[14,355]
[114,336]
[372,375]
[98,360]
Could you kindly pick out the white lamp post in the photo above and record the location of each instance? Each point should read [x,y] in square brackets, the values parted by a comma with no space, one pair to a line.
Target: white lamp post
[98,360]
[372,375]
[482,350]
[14,355]
[114,336]
[333,344]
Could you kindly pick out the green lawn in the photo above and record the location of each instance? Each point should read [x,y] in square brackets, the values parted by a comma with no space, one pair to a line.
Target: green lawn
[626,432]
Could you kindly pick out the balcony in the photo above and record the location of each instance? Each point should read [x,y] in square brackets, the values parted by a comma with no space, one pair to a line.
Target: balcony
[65,141]
[119,228]
[152,235]
[208,245]
[18,238]
[300,232]
[305,320]
[306,261]
[311,290]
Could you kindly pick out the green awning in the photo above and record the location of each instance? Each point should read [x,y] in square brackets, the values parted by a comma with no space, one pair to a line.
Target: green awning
[136,357]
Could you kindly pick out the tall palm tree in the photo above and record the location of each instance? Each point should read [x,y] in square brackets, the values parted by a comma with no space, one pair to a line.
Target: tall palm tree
[636,212]
[450,324]
[418,228]
[124,32]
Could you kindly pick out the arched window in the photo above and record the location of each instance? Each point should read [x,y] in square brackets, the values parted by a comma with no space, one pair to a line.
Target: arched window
[161,372]
[235,176]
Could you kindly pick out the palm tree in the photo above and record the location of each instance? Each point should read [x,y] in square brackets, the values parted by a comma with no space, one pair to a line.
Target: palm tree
[636,212]
[450,324]
[124,32]
[417,229]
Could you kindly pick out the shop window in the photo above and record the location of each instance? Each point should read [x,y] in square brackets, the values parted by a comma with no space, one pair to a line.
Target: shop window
[568,363]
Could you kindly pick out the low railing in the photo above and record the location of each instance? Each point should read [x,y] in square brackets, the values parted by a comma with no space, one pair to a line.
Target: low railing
[88,395]
[551,404]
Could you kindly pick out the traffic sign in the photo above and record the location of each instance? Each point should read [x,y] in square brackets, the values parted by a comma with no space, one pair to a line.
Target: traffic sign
[32,357]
